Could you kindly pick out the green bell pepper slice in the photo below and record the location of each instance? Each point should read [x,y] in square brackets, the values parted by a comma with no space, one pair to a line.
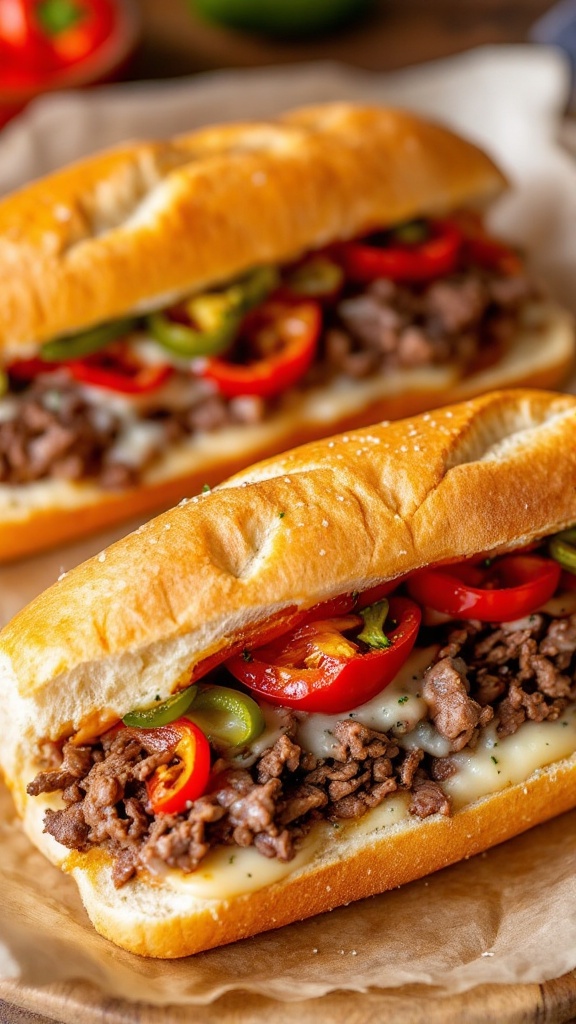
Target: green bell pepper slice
[154,716]
[219,315]
[226,716]
[562,548]
[76,346]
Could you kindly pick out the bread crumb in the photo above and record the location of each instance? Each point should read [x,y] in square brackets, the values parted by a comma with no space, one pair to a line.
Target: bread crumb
[325,522]
[168,526]
[322,551]
[287,480]
[339,497]
[487,954]
[102,556]
[61,576]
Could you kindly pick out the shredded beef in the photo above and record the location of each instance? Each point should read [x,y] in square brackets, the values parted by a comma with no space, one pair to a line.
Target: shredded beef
[454,713]
[511,673]
[59,431]
[524,672]
[428,798]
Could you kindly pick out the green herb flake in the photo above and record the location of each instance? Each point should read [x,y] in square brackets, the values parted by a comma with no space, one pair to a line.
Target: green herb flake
[495,759]
[564,723]
[281,515]
[232,858]
[206,488]
[246,655]
[402,700]
[157,697]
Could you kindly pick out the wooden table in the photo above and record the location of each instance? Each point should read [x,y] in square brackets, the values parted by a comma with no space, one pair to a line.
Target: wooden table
[399,32]
[551,1003]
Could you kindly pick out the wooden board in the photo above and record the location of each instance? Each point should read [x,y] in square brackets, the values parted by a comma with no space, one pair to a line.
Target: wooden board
[553,1002]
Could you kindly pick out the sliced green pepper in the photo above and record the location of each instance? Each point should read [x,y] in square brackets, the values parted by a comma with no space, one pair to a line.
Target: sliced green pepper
[412,232]
[562,547]
[373,632]
[226,716]
[316,278]
[75,346]
[161,714]
[219,315]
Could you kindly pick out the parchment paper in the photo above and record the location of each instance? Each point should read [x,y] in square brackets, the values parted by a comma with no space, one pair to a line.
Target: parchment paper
[505,916]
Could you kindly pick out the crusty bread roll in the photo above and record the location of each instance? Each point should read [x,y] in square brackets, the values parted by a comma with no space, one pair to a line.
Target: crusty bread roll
[223,571]
[138,227]
[122,231]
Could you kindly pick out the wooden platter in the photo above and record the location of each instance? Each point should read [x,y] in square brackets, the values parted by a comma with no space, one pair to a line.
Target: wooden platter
[553,1002]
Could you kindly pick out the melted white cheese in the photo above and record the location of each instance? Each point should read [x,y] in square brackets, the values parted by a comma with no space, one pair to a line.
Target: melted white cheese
[231,870]
[497,763]
[397,709]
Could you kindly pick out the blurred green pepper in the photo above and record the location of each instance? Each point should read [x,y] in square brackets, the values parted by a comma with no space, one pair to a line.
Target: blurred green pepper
[218,314]
[76,346]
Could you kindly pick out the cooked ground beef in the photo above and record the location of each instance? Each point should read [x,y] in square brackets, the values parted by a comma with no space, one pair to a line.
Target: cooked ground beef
[481,673]
[57,431]
[522,673]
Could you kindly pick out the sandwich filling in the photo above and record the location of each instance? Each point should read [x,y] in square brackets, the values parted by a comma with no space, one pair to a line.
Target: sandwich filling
[104,405]
[419,691]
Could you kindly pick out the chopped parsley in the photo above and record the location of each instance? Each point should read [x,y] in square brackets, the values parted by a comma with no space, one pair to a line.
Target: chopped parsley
[206,488]
[281,515]
[402,700]
[246,655]
[495,759]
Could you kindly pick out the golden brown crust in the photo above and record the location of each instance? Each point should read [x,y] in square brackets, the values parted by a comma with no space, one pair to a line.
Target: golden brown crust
[70,510]
[371,865]
[126,228]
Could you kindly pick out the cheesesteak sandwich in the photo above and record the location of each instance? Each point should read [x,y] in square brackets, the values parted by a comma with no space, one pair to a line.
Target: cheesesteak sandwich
[170,312]
[345,668]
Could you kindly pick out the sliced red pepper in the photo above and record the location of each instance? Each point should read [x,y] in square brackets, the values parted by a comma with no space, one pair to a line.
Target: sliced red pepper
[509,588]
[28,369]
[44,38]
[279,671]
[422,261]
[492,255]
[283,336]
[172,786]
[116,370]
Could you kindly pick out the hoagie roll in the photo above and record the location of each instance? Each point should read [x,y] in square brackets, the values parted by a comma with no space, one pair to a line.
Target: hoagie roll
[172,311]
[343,669]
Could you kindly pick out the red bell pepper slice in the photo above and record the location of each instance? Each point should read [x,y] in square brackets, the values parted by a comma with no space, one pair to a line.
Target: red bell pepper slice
[173,786]
[284,336]
[115,370]
[492,255]
[402,262]
[510,588]
[28,369]
[111,369]
[343,678]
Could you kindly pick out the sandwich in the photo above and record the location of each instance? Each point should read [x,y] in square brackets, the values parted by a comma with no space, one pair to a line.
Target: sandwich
[343,669]
[171,312]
